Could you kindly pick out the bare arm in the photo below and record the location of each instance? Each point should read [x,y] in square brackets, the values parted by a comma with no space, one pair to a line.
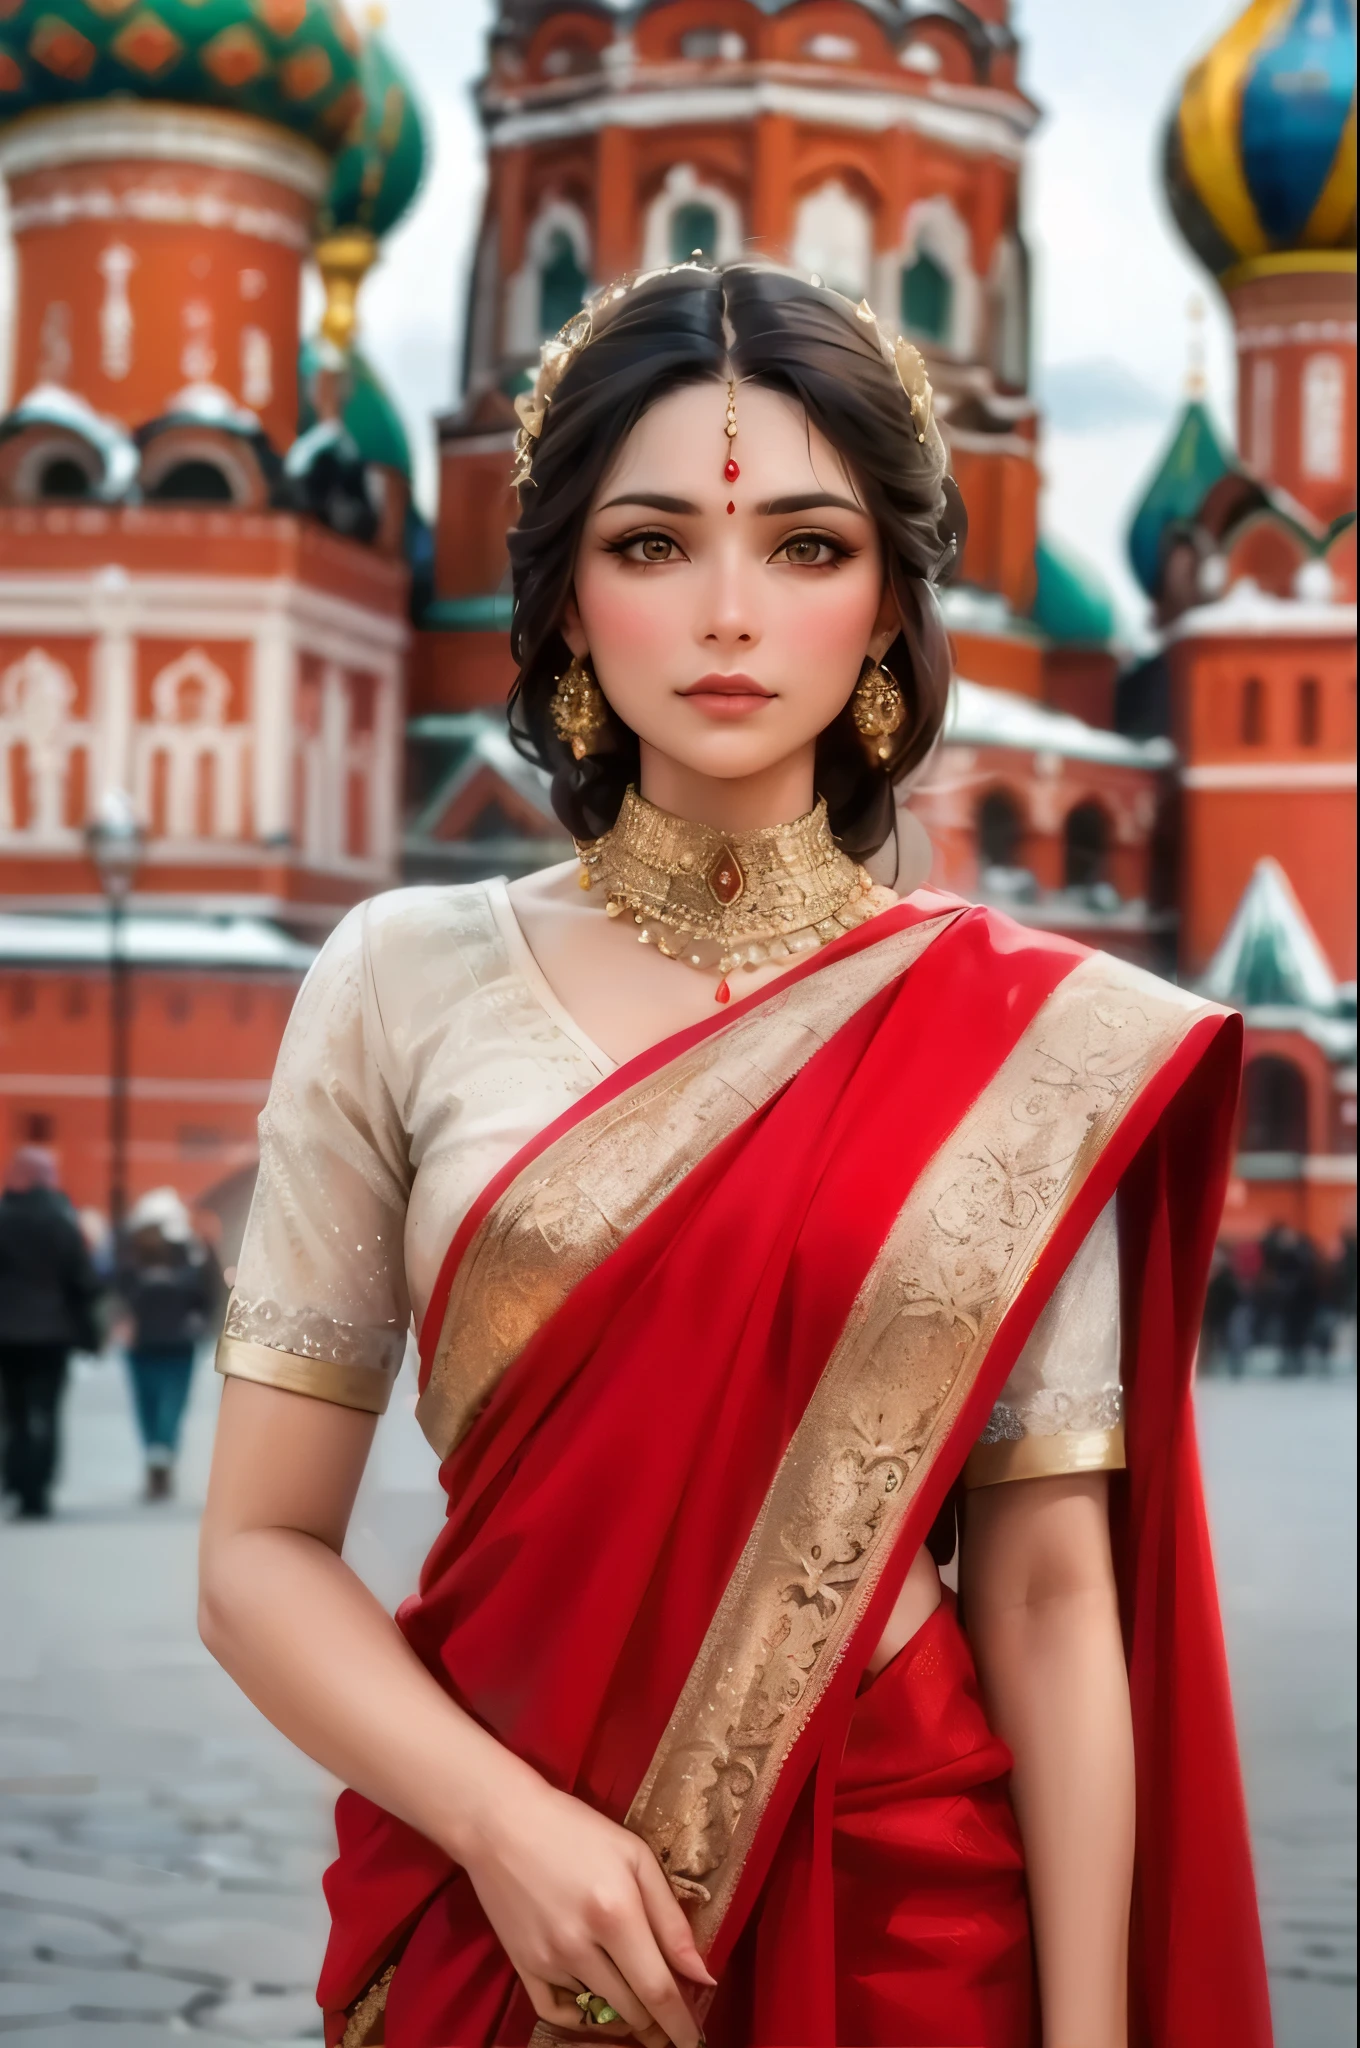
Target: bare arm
[575,1900]
[1038,1588]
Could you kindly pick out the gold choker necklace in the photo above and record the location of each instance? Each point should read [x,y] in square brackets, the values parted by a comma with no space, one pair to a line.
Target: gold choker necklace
[720,900]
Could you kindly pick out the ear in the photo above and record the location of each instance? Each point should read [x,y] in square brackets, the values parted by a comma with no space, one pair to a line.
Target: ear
[887,625]
[571,629]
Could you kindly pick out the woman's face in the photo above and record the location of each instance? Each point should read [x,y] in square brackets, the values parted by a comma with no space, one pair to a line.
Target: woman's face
[728,621]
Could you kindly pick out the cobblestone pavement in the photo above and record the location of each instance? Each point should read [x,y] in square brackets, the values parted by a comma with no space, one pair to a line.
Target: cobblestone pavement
[161,1847]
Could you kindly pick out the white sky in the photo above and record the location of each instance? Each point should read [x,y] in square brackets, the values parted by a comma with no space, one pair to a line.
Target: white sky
[1112,277]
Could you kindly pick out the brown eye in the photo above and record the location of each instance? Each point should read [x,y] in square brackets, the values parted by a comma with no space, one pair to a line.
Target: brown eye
[804,552]
[810,551]
[656,548]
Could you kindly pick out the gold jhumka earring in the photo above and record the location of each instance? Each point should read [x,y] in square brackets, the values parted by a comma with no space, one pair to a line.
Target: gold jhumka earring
[579,712]
[878,710]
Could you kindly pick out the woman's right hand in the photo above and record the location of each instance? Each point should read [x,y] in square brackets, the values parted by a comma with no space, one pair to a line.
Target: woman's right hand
[581,1904]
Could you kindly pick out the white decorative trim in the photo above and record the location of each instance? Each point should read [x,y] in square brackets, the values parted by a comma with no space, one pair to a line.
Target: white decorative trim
[201,608]
[1271,775]
[981,134]
[833,238]
[39,735]
[1330,1169]
[1249,610]
[1295,334]
[132,131]
[164,207]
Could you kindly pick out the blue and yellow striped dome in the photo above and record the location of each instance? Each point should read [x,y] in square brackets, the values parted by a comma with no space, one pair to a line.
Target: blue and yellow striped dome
[1260,152]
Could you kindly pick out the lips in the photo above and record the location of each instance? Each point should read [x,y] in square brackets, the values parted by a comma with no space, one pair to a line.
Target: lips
[727,686]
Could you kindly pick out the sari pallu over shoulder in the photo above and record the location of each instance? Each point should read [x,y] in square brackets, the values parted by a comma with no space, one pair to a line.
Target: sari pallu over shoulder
[731,1339]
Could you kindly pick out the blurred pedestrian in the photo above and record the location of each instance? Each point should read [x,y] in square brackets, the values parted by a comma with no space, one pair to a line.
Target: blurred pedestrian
[169,1285]
[48,1293]
[1221,1301]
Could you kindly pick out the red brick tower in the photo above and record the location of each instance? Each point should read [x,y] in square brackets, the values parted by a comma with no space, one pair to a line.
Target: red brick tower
[864,140]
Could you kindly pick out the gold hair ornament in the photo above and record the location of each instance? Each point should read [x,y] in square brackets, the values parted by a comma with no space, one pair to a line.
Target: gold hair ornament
[910,366]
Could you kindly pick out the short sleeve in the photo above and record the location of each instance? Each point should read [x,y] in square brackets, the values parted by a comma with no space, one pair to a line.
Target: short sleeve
[320,1304]
[1062,1409]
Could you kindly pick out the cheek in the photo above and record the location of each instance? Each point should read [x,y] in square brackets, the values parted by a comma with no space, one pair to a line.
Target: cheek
[832,615]
[623,611]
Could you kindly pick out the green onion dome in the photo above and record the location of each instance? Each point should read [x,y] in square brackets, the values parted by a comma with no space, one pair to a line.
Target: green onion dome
[1260,150]
[378,172]
[368,415]
[1195,459]
[1071,603]
[294,63]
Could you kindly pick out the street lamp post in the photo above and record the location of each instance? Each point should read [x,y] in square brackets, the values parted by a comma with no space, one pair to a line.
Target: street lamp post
[115,839]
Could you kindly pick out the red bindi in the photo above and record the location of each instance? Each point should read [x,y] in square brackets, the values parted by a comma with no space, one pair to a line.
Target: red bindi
[730,506]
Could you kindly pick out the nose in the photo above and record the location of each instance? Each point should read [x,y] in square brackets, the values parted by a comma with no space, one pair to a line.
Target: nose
[730,619]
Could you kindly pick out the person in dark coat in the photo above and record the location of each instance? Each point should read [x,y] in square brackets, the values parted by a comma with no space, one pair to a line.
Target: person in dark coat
[48,1292]
[170,1286]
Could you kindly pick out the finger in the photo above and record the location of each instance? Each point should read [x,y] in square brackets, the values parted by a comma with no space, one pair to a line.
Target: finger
[557,2002]
[634,1954]
[666,1918]
[607,1980]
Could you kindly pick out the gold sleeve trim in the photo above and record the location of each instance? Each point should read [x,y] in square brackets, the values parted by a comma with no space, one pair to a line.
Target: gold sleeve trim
[1046,1457]
[349,1386]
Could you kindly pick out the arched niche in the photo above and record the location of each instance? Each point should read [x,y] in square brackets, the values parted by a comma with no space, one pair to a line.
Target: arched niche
[688,213]
[1000,825]
[556,266]
[833,238]
[1274,1106]
[929,282]
[1087,836]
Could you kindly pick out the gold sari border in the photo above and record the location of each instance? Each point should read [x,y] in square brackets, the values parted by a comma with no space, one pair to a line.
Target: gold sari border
[322,1379]
[1046,1457]
[955,1263]
[573,1204]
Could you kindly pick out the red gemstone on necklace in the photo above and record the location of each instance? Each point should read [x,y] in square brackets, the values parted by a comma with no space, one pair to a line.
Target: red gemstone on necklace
[722,993]
[731,472]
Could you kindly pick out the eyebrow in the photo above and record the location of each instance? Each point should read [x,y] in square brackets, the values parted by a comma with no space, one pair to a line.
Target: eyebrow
[773,508]
[654,501]
[810,501]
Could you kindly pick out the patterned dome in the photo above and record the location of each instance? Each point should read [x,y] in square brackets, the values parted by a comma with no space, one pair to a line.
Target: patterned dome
[1260,152]
[378,172]
[368,414]
[294,63]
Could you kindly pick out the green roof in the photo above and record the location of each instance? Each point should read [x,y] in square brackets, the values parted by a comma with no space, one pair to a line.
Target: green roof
[294,63]
[1195,459]
[370,418]
[1071,603]
[378,172]
[1270,956]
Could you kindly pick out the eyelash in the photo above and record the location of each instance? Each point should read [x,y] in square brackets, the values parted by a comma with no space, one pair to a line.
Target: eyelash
[624,549]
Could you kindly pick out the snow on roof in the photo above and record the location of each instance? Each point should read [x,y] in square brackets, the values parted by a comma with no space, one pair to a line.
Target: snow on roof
[1270,955]
[1246,608]
[81,939]
[983,717]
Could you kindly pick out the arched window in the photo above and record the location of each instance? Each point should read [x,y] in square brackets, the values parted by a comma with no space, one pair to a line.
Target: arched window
[927,298]
[1253,712]
[561,284]
[694,226]
[1274,1106]
[1086,846]
[63,477]
[192,483]
[1310,711]
[1000,829]
[1324,416]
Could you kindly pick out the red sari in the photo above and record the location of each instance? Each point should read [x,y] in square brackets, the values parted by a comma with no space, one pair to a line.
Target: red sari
[705,1361]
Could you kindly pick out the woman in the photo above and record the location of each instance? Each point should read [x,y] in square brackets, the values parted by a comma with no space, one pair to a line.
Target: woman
[723,1306]
[167,1281]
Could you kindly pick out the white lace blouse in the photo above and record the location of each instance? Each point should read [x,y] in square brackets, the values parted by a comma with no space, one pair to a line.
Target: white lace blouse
[424,1050]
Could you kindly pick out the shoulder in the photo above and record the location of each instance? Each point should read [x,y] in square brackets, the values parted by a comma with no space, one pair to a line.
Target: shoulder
[411,940]
[1005,952]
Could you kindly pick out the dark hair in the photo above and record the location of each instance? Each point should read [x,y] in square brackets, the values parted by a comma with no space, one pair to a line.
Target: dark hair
[765,326]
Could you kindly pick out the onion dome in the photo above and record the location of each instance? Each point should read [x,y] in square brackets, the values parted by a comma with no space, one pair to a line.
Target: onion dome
[367,413]
[1260,152]
[378,172]
[293,63]
[1195,459]
[1071,603]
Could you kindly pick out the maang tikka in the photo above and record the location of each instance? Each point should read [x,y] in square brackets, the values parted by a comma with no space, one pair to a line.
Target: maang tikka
[731,468]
